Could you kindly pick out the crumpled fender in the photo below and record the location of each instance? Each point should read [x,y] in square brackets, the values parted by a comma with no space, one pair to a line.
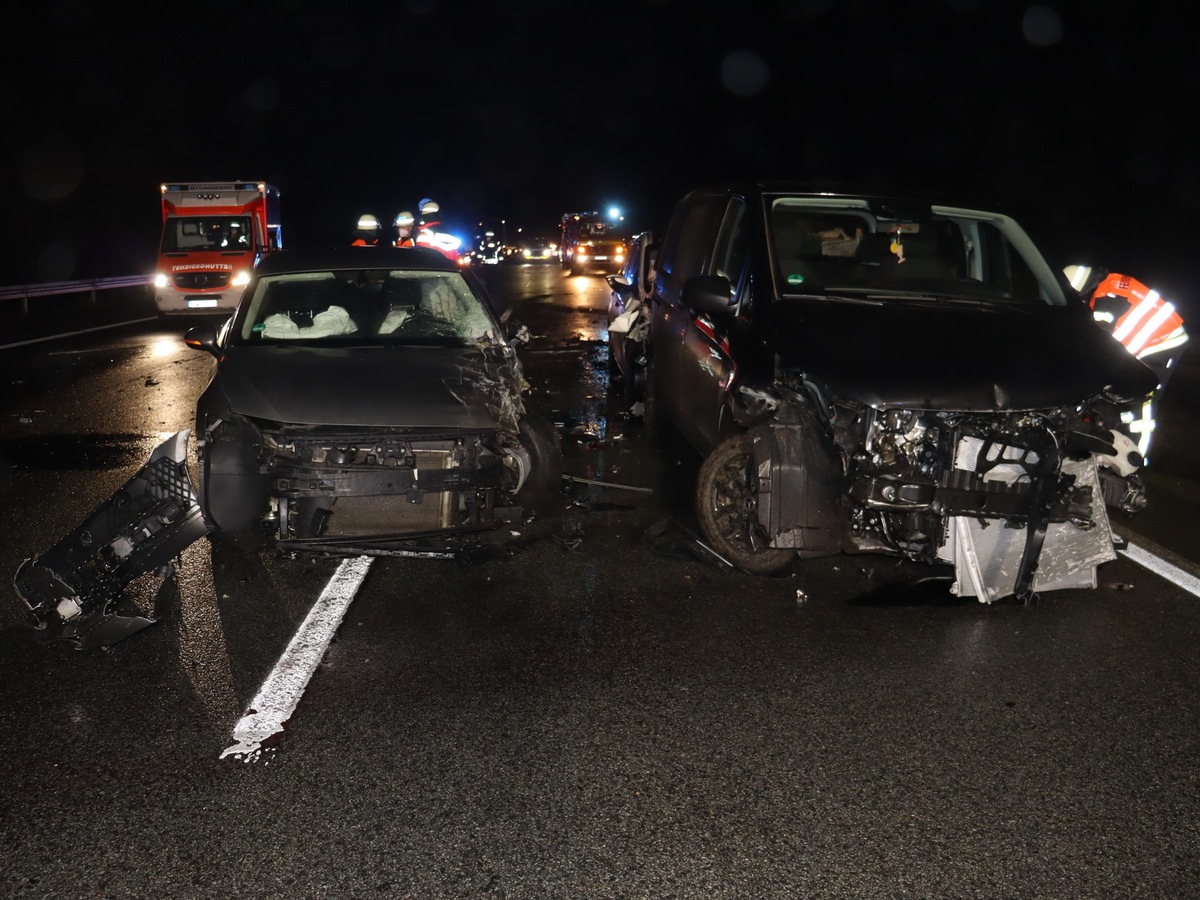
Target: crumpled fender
[72,589]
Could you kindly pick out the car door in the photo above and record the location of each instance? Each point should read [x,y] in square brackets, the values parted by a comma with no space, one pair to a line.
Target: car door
[687,250]
[706,366]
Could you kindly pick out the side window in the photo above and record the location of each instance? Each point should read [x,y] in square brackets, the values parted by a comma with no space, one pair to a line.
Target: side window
[688,247]
[729,257]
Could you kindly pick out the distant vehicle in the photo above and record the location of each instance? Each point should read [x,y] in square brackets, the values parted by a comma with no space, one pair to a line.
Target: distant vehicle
[628,317]
[896,375]
[213,234]
[536,250]
[591,241]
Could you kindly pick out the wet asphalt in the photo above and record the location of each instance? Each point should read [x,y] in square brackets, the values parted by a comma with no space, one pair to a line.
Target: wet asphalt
[585,708]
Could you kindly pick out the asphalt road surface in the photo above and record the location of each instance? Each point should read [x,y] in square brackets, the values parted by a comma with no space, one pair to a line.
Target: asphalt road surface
[590,709]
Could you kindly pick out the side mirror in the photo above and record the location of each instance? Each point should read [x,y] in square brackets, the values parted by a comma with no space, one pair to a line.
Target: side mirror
[708,294]
[619,283]
[203,337]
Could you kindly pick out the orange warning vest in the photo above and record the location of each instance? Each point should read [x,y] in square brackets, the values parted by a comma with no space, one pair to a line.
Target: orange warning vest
[1150,324]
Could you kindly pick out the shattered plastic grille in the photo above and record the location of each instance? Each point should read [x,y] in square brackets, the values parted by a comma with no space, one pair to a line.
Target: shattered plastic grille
[169,479]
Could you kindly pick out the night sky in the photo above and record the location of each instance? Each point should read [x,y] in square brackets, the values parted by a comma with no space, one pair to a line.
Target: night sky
[1079,122]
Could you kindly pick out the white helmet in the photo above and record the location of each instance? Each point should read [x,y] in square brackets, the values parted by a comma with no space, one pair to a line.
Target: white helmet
[404,219]
[367,222]
[429,207]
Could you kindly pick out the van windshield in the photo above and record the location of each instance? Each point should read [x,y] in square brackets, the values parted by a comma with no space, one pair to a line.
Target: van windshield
[184,233]
[849,246]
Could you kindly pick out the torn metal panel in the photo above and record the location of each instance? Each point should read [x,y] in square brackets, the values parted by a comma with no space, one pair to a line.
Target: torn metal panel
[72,589]
[987,555]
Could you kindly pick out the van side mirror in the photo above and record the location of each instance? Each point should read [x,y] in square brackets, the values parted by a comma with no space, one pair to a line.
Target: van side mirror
[711,294]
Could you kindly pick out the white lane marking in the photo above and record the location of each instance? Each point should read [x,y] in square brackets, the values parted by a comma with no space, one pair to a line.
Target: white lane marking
[67,334]
[277,698]
[1163,569]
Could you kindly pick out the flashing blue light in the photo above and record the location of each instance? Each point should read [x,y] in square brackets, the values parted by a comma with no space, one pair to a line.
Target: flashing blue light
[614,212]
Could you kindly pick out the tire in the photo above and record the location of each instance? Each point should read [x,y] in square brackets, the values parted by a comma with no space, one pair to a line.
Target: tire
[542,490]
[625,383]
[726,508]
[652,422]
[633,382]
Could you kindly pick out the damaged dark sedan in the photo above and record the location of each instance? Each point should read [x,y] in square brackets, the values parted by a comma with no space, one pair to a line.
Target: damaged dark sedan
[363,402]
[873,374]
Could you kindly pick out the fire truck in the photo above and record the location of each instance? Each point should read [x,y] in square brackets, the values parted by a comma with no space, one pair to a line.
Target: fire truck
[213,233]
[592,241]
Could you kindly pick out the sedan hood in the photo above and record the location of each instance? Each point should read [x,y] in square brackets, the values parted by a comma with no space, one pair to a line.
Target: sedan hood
[393,387]
[925,355]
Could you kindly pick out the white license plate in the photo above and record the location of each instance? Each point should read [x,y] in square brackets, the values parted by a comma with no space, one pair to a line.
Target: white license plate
[208,303]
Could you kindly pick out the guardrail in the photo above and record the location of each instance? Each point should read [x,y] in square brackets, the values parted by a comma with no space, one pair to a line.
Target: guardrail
[23,292]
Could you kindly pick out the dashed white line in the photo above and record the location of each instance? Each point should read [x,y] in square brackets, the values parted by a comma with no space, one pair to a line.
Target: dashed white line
[1163,569]
[280,693]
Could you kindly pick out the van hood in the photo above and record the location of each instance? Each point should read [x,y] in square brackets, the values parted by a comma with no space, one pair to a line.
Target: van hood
[925,354]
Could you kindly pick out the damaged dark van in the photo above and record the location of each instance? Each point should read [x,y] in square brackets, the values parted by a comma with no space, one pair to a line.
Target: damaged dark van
[879,374]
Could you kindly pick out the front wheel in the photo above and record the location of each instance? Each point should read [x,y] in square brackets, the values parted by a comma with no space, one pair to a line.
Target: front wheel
[727,509]
[542,489]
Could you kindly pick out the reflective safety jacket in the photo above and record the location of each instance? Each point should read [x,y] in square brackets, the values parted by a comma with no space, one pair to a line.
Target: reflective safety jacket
[1140,319]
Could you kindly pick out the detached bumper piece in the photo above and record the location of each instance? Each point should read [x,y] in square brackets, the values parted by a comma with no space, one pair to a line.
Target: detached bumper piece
[72,589]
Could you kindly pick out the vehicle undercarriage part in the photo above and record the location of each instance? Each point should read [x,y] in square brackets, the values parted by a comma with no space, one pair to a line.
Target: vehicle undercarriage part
[988,557]
[72,589]
[337,487]
[799,480]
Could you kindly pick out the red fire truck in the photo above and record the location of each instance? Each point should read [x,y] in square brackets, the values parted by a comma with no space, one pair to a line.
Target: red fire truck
[592,241]
[213,234]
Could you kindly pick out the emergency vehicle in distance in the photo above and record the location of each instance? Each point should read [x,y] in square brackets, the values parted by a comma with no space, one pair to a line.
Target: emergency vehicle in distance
[213,234]
[592,241]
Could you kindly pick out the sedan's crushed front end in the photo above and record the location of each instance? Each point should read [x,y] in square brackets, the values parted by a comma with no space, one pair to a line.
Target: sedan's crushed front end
[325,489]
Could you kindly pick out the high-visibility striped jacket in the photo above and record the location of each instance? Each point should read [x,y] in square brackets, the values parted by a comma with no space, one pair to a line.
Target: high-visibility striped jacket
[1141,319]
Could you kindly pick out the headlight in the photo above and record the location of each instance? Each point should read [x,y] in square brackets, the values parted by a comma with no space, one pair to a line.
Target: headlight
[241,279]
[161,280]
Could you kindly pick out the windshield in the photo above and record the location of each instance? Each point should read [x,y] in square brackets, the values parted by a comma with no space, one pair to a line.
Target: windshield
[182,233]
[856,246]
[373,306]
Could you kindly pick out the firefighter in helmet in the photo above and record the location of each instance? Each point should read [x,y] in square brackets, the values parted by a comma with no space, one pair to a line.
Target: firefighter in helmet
[366,233]
[404,228]
[429,230]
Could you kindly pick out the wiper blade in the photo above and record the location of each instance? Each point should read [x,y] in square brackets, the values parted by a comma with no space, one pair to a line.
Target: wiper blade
[925,298]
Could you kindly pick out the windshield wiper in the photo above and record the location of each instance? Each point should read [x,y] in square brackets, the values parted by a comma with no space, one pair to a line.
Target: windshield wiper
[924,298]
